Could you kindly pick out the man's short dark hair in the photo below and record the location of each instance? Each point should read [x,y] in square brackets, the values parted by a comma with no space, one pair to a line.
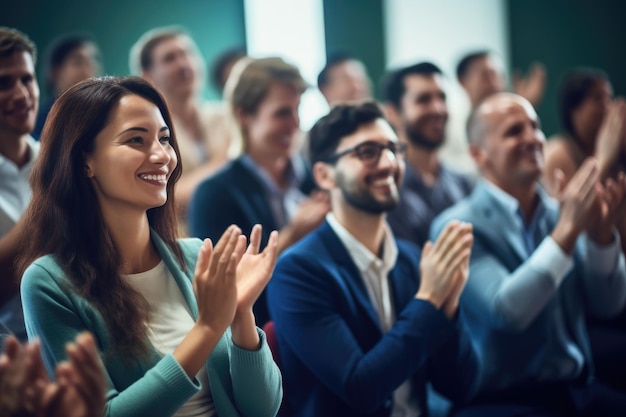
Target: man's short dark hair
[12,41]
[332,61]
[341,121]
[60,49]
[463,66]
[574,89]
[393,83]
[223,61]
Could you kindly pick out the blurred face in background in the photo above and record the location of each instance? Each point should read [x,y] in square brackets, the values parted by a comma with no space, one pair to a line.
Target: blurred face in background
[176,67]
[347,82]
[587,117]
[82,63]
[19,94]
[483,78]
[270,132]
[423,110]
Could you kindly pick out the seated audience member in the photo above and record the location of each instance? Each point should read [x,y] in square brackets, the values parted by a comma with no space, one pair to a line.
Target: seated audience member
[19,96]
[415,104]
[363,321]
[26,391]
[594,124]
[170,59]
[68,61]
[173,318]
[536,269]
[269,183]
[481,74]
[223,65]
[343,80]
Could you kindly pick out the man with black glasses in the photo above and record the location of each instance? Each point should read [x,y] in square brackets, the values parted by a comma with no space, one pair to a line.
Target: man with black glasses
[362,323]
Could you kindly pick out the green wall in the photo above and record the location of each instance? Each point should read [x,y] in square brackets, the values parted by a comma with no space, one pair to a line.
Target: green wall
[356,27]
[564,34]
[116,24]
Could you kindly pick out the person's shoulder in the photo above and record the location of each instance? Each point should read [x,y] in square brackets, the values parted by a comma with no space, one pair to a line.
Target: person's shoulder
[223,180]
[463,210]
[41,270]
[190,245]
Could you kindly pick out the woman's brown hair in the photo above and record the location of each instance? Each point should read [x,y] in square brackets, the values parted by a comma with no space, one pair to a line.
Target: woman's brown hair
[64,218]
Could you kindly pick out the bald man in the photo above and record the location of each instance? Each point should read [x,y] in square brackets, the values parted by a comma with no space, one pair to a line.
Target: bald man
[537,267]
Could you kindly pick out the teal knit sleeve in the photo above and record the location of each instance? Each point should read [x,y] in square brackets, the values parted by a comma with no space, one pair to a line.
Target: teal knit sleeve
[55,314]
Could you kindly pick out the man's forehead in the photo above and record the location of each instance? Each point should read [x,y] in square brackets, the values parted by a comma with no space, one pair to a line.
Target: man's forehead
[18,61]
[505,105]
[376,130]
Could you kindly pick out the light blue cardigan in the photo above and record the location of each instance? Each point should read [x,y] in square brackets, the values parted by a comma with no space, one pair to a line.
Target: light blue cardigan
[243,383]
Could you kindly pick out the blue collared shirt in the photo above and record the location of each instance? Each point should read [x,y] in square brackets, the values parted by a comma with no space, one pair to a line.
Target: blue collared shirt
[563,358]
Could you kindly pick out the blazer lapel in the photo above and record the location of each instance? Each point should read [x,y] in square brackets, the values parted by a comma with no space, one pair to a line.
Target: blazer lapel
[500,230]
[254,198]
[348,271]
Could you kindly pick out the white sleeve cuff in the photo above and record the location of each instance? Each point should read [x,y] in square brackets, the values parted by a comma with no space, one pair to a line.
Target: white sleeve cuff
[551,258]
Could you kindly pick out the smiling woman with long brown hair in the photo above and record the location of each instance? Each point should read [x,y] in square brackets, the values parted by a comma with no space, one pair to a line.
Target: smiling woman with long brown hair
[172,318]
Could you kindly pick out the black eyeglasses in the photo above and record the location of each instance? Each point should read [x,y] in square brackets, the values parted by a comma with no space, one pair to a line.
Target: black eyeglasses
[369,152]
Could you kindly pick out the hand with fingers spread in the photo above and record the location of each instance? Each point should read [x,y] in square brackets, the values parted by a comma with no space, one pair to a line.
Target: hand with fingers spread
[14,379]
[613,208]
[253,273]
[581,204]
[25,389]
[255,269]
[215,280]
[443,266]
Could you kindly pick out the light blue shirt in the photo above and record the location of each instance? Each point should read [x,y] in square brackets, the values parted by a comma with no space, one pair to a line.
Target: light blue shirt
[563,359]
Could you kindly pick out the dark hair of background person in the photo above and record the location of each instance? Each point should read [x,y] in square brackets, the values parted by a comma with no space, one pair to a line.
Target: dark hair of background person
[573,90]
[465,62]
[224,63]
[12,41]
[58,51]
[341,121]
[334,59]
[64,217]
[393,82]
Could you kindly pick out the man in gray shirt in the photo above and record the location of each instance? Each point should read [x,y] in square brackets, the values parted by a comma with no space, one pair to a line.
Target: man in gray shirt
[415,104]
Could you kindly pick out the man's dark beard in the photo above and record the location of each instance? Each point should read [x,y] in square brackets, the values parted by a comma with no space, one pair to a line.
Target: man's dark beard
[363,201]
[417,139]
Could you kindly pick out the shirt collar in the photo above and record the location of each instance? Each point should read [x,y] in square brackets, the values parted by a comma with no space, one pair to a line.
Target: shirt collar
[363,258]
[511,205]
[33,150]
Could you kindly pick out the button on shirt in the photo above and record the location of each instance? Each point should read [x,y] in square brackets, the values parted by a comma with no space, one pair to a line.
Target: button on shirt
[563,358]
[375,273]
[284,203]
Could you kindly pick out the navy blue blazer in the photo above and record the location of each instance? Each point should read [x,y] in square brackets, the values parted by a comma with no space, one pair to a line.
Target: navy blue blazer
[510,303]
[235,195]
[335,359]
